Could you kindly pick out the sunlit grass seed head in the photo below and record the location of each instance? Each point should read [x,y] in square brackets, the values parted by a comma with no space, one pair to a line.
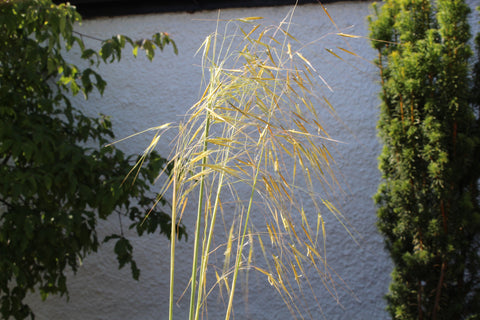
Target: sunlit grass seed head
[254,144]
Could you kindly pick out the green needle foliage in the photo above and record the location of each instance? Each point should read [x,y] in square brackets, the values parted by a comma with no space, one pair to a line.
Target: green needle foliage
[476,82]
[428,204]
[53,186]
[254,149]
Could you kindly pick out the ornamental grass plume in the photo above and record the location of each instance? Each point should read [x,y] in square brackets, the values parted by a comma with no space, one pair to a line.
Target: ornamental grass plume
[254,144]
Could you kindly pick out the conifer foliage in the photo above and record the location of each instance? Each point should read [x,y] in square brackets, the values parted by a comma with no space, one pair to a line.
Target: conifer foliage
[428,205]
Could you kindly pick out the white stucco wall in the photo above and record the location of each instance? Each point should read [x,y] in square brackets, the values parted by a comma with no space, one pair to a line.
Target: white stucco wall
[141,94]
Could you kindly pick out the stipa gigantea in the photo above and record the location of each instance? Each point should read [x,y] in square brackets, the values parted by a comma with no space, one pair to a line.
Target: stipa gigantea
[254,143]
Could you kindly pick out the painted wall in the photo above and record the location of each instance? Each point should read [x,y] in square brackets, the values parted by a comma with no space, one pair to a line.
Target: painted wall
[143,94]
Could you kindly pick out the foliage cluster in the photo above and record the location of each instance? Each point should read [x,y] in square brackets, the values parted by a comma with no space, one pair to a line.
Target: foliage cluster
[428,203]
[54,185]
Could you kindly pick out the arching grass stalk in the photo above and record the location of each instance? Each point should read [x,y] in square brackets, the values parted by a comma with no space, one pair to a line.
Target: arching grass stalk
[201,195]
[173,237]
[196,245]
[250,203]
[206,250]
[241,245]
[254,145]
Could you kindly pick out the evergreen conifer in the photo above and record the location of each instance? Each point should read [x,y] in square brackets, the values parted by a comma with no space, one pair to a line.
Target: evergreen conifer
[428,205]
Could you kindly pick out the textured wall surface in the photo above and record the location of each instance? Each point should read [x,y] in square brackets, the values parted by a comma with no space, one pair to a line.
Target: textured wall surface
[141,94]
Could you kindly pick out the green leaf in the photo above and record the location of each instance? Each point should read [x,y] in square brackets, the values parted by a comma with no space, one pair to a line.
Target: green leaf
[53,188]
[149,48]
[106,51]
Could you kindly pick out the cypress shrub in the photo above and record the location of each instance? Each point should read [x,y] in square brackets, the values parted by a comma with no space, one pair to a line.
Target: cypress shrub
[428,204]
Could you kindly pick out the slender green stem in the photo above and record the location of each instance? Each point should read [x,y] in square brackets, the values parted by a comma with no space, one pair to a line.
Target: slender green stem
[199,219]
[203,267]
[242,240]
[173,237]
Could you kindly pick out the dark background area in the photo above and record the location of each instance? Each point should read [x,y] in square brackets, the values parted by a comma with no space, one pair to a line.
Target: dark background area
[97,8]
